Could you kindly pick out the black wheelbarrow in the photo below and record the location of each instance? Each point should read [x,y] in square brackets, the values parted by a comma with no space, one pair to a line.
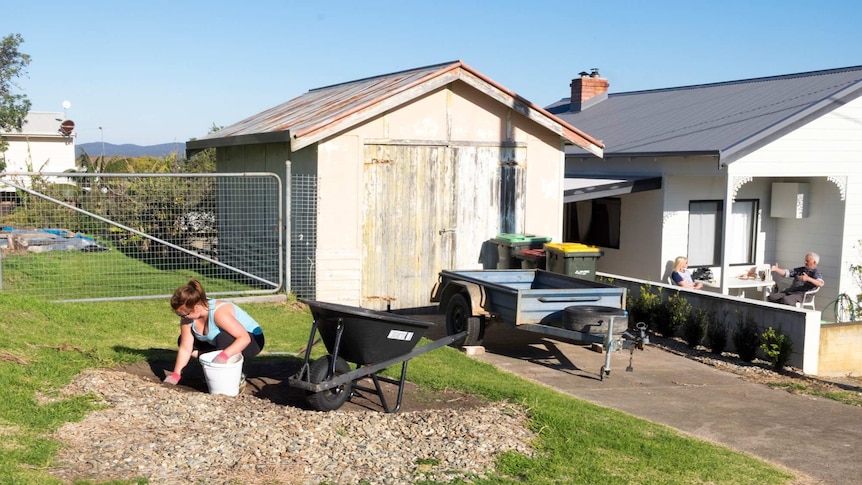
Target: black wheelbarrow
[373,340]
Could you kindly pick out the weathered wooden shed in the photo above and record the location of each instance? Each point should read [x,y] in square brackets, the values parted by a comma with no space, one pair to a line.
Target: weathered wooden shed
[413,172]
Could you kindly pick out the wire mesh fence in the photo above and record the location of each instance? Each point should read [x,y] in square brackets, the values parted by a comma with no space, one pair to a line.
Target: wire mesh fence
[303,235]
[112,236]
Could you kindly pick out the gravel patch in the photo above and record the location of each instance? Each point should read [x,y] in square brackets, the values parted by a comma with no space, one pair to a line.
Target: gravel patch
[159,433]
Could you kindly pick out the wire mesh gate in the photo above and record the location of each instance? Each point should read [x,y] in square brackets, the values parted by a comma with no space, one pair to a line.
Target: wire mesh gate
[74,237]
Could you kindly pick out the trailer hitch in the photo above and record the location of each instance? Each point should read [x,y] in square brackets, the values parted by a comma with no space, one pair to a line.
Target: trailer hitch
[637,341]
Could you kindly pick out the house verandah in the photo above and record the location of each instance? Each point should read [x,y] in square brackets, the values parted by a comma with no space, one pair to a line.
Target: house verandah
[772,219]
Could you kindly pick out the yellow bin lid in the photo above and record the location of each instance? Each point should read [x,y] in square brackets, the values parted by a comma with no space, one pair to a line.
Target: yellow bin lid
[569,247]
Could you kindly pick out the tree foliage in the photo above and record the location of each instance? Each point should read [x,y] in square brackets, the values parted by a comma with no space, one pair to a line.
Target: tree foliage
[13,106]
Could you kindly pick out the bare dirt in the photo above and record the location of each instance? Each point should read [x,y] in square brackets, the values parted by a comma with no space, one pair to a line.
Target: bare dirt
[266,378]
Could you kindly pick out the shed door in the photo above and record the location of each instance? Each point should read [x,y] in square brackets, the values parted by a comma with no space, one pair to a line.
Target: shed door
[428,208]
[489,199]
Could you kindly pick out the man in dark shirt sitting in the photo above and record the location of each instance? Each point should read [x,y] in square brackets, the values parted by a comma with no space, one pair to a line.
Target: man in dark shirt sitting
[805,278]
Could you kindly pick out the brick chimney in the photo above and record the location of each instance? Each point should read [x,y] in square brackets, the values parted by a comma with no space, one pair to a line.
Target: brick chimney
[587,90]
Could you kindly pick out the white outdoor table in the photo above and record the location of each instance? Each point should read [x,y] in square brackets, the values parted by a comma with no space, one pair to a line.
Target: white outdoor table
[738,283]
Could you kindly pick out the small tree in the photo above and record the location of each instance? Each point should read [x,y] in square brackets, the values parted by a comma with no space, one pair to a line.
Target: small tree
[694,329]
[716,336]
[644,307]
[746,338]
[777,346]
[675,314]
[13,107]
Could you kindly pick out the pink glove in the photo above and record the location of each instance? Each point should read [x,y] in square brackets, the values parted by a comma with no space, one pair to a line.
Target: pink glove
[172,379]
[221,358]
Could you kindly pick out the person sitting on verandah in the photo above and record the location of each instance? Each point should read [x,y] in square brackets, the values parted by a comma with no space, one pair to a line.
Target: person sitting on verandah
[805,278]
[681,276]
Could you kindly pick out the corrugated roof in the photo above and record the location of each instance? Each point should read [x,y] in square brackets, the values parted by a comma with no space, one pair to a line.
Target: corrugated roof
[728,119]
[328,110]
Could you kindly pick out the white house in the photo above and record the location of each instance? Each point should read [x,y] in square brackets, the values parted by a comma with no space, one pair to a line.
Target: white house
[731,174]
[45,144]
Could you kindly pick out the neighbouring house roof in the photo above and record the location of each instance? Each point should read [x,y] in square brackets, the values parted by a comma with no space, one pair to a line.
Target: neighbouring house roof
[727,119]
[41,123]
[326,111]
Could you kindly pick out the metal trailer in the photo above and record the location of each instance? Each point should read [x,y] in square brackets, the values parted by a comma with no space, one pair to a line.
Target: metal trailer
[536,301]
[373,340]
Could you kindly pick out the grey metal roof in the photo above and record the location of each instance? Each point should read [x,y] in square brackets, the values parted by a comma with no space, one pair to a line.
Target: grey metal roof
[728,119]
[328,110]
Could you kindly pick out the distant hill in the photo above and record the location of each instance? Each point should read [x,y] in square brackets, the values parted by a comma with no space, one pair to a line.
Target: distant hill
[95,149]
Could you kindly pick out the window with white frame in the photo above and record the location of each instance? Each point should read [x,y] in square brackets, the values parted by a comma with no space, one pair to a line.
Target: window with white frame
[705,232]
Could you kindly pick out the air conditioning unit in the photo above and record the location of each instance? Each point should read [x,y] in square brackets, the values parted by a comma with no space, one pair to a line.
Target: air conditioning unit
[789,200]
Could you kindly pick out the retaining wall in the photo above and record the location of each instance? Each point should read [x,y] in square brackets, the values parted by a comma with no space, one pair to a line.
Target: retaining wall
[801,325]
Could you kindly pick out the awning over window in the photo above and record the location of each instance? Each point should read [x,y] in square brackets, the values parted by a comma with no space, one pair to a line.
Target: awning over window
[576,189]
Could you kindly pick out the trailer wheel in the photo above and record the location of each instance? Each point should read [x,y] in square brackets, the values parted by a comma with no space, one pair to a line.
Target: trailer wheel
[330,399]
[459,317]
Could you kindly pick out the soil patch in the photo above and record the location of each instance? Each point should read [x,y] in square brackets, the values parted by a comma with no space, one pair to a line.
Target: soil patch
[266,378]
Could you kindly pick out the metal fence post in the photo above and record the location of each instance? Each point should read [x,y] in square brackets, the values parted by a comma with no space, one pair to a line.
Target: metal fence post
[286,227]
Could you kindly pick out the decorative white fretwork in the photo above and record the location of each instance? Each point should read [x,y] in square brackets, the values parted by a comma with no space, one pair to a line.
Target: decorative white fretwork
[668,215]
[841,182]
[737,183]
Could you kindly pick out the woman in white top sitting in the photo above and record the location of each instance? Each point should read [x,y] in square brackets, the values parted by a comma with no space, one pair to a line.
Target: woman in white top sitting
[681,276]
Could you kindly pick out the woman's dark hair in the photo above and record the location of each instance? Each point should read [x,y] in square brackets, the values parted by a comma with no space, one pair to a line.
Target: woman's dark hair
[189,295]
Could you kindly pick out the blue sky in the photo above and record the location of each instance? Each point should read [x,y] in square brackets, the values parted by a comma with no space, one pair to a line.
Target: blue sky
[165,71]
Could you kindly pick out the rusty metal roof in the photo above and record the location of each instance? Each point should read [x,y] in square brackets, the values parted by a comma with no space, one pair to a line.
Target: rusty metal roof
[329,110]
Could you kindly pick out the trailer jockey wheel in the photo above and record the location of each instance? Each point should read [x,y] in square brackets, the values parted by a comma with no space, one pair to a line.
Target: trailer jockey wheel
[604,372]
[459,317]
[329,399]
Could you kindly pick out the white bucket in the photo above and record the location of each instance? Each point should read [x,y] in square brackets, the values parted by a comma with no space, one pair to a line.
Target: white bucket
[222,378]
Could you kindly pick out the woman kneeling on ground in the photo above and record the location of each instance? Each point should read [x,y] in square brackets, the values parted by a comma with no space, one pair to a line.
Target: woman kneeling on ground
[207,325]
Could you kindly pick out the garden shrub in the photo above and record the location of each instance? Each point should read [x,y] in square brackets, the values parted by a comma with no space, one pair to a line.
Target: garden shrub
[694,329]
[777,346]
[746,339]
[675,312]
[716,336]
[644,307]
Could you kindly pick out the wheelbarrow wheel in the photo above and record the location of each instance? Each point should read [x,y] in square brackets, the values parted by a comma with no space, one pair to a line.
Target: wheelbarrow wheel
[329,399]
[459,317]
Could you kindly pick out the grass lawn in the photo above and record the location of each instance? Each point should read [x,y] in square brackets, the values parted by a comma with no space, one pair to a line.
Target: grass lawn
[45,344]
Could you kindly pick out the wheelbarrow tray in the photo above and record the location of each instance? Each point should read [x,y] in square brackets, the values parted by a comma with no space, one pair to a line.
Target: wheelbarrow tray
[368,336]
[371,339]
